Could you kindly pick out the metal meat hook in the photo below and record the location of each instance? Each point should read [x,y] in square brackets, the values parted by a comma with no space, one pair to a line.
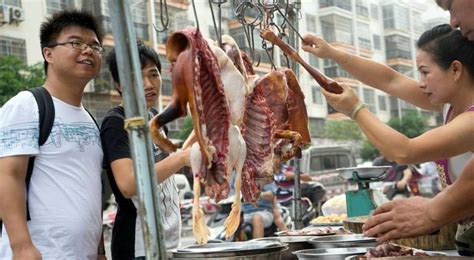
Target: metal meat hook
[217,29]
[195,16]
[164,18]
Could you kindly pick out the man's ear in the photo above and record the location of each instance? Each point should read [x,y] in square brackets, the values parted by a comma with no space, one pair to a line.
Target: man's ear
[47,54]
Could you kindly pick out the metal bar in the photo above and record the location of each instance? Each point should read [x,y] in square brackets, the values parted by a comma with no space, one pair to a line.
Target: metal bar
[140,140]
[293,37]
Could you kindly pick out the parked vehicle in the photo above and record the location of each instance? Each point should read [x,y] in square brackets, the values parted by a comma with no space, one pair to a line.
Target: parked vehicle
[321,163]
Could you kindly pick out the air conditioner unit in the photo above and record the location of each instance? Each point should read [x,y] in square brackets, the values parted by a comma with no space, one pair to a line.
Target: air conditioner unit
[17,14]
[4,14]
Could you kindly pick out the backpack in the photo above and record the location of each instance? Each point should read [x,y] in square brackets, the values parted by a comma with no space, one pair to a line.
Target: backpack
[46,121]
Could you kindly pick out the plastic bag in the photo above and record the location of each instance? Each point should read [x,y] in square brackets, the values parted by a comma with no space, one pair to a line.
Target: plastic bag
[335,205]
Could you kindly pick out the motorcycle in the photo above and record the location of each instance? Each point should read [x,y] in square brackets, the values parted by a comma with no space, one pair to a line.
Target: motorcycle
[312,195]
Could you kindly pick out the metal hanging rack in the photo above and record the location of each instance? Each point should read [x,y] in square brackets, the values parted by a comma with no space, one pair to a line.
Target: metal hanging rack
[264,18]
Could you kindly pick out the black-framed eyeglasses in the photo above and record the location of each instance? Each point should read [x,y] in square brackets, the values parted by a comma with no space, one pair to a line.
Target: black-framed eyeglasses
[81,46]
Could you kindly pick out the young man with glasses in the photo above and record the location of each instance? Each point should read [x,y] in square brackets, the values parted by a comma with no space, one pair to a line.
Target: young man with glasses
[64,195]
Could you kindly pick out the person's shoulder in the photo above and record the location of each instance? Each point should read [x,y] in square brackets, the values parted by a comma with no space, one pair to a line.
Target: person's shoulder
[23,98]
[22,104]
[115,113]
[114,119]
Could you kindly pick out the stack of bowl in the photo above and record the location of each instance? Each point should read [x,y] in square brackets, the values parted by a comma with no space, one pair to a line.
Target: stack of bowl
[336,247]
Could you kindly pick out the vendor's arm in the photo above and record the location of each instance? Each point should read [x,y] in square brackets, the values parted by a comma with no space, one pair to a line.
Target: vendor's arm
[12,206]
[125,177]
[418,216]
[362,69]
[454,138]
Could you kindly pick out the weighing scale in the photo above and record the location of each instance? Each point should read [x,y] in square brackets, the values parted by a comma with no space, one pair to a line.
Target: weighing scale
[364,200]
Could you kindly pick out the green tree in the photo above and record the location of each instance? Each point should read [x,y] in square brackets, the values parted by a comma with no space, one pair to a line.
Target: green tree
[342,130]
[16,76]
[368,152]
[412,124]
[186,130]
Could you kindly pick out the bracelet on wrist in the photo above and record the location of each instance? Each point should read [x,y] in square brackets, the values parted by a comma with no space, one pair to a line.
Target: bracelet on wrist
[357,109]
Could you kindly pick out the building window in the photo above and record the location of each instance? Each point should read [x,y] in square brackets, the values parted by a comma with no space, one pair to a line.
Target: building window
[418,28]
[313,60]
[337,29]
[382,103]
[166,86]
[16,3]
[369,99]
[363,33]
[374,11]
[362,8]
[316,95]
[140,20]
[316,126]
[396,17]
[344,4]
[104,81]
[53,6]
[377,43]
[310,23]
[14,47]
[336,71]
[398,46]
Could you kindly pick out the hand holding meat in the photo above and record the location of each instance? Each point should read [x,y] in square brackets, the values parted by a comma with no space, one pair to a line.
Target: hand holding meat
[317,46]
[399,219]
[345,102]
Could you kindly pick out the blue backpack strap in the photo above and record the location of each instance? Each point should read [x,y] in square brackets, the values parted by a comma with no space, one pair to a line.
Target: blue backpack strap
[46,121]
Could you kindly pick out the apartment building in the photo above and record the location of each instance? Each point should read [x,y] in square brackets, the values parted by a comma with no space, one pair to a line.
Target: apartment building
[385,31]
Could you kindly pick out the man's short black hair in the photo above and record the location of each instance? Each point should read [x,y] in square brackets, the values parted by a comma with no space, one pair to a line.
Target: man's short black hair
[52,27]
[145,53]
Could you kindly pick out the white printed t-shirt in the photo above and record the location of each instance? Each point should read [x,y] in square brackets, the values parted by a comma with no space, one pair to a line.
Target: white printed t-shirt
[65,188]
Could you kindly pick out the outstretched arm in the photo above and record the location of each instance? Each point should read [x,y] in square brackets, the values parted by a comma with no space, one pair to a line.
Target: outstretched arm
[370,72]
[445,141]
[124,173]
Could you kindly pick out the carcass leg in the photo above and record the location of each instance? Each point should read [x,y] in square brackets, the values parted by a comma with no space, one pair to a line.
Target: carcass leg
[237,153]
[295,140]
[200,230]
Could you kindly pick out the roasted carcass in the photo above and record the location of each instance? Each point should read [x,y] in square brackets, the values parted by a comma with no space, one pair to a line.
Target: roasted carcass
[238,120]
[275,123]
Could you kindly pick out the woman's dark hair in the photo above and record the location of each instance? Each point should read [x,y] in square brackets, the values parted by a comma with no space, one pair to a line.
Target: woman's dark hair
[145,53]
[53,26]
[446,45]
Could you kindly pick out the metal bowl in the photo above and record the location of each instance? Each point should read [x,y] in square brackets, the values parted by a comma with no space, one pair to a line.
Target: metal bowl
[355,240]
[295,243]
[232,250]
[432,256]
[363,173]
[330,253]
